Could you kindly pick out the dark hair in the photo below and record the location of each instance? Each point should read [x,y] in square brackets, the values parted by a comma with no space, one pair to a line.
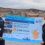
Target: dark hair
[43,28]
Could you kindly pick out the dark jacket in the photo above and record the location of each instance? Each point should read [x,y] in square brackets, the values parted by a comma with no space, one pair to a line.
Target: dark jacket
[43,32]
[1,27]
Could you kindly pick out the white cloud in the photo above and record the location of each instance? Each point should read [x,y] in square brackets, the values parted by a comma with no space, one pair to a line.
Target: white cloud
[38,4]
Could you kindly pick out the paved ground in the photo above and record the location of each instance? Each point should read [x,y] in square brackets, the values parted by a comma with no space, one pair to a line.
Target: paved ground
[16,43]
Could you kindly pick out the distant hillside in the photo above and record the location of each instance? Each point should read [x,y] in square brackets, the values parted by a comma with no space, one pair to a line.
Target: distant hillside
[23,12]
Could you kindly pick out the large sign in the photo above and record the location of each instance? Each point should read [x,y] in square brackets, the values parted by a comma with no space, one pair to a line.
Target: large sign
[24,29]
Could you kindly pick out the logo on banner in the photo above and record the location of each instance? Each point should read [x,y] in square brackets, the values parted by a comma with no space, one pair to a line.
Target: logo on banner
[35,34]
[38,21]
[14,30]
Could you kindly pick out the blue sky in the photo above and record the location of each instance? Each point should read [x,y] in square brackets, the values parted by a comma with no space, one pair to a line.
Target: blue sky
[23,4]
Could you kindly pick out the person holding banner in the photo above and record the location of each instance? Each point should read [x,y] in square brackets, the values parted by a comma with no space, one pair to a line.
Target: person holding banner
[43,34]
[2,41]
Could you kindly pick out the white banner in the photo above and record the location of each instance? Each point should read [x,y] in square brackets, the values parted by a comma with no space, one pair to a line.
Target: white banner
[22,30]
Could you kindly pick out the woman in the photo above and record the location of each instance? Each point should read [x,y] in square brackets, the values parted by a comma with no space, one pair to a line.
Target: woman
[43,34]
[2,41]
